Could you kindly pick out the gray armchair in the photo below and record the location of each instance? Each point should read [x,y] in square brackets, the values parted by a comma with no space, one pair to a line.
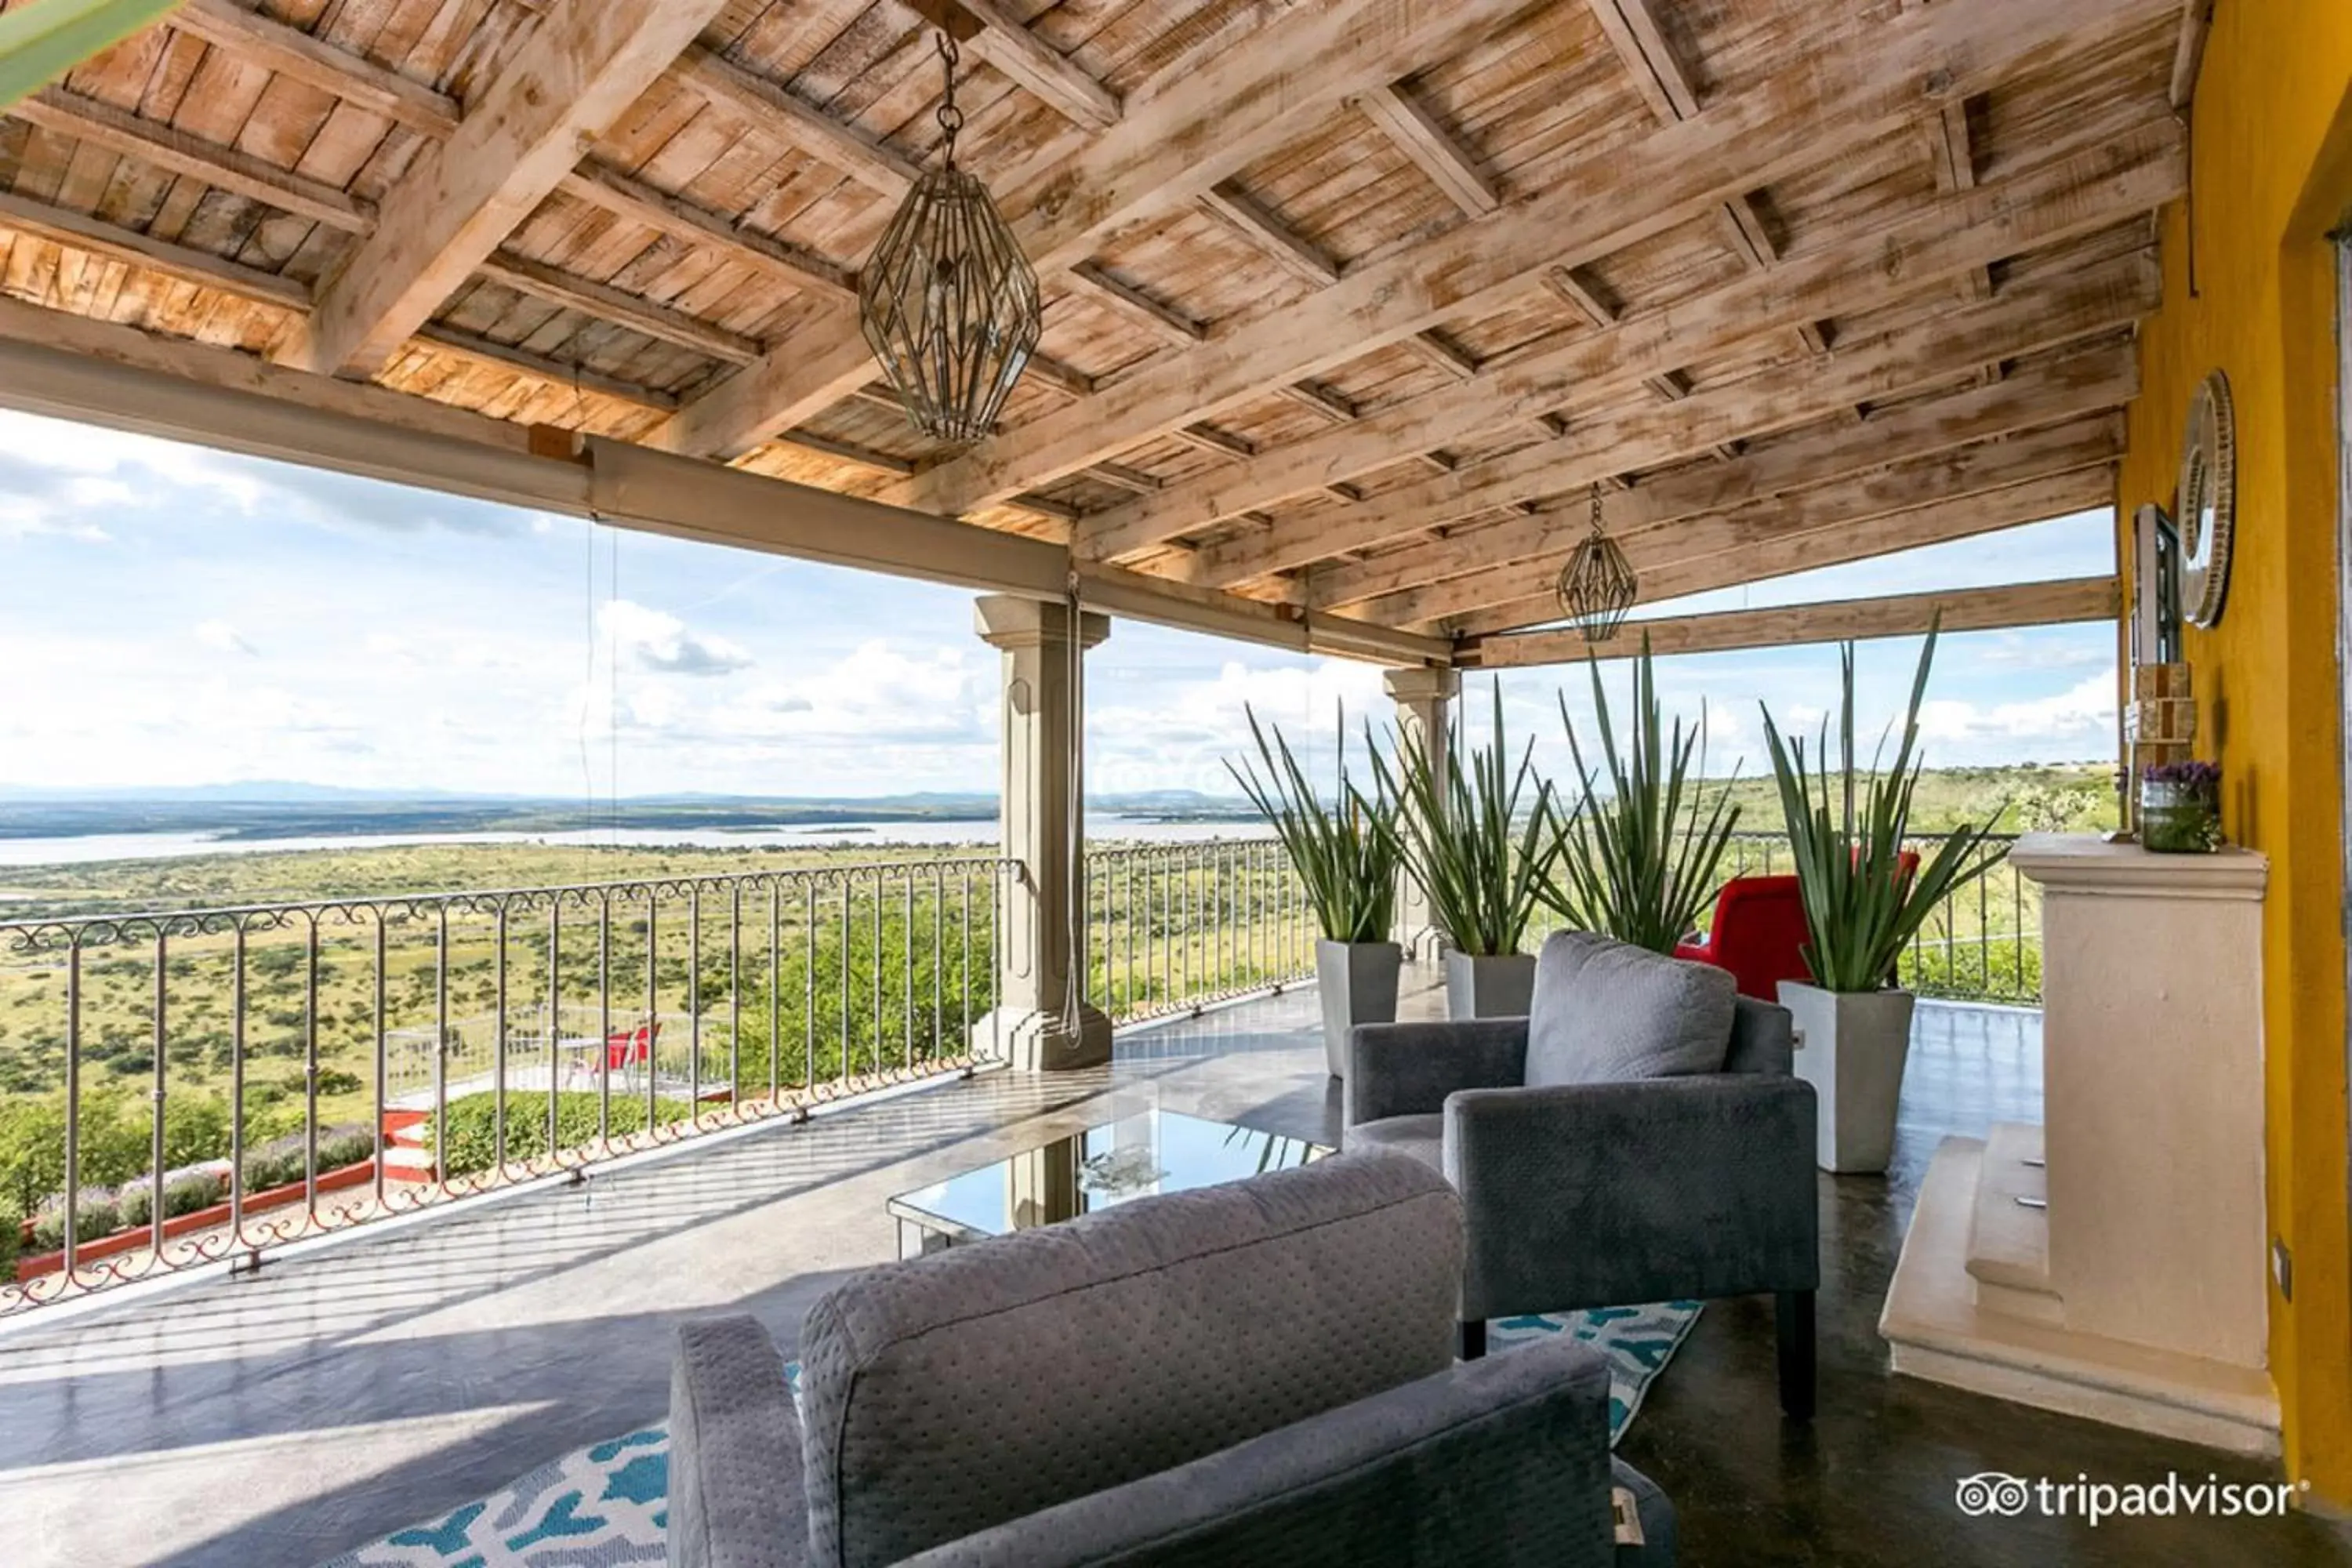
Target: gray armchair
[1640,1137]
[1258,1373]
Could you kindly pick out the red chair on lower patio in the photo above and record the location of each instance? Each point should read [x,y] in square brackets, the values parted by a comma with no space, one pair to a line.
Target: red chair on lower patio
[1759,935]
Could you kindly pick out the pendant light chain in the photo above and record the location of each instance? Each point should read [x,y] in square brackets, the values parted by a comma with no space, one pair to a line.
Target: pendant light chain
[950,118]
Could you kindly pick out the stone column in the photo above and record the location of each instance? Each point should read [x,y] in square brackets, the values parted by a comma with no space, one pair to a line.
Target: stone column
[1035,1023]
[1424,700]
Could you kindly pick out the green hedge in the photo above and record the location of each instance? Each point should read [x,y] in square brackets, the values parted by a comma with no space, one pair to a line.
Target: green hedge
[473,1128]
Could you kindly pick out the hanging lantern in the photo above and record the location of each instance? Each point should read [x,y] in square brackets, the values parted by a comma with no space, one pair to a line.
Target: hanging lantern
[1597,586]
[948,303]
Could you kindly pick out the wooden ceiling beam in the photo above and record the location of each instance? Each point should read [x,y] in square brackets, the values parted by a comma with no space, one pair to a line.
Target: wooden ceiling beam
[2063,391]
[1730,537]
[1129,303]
[1431,148]
[598,301]
[1865,83]
[585,64]
[995,35]
[1641,48]
[1197,130]
[624,196]
[203,269]
[2113,180]
[255,38]
[1847,620]
[2046,312]
[167,147]
[1938,523]
[758,102]
[1263,229]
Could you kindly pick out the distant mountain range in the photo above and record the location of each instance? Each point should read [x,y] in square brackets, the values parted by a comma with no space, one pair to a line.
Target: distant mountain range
[292,810]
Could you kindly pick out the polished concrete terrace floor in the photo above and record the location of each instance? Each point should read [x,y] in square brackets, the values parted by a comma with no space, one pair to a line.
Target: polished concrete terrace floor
[283,1418]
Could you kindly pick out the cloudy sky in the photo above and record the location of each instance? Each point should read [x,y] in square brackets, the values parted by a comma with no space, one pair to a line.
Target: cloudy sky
[174,616]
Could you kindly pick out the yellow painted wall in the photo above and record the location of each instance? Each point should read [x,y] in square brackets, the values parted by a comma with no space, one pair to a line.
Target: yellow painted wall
[2272,172]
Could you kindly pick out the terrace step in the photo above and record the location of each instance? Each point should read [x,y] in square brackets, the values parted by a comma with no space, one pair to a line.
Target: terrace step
[2009,1226]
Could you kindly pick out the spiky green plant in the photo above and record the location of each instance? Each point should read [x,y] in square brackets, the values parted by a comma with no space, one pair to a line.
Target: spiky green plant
[1345,852]
[1479,849]
[1846,830]
[1640,862]
[42,41]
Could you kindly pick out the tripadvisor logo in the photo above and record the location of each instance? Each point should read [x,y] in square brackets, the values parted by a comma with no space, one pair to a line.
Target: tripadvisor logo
[1994,1494]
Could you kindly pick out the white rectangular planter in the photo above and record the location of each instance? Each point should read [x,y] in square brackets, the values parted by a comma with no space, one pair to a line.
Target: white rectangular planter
[1852,1048]
[1356,982]
[1496,987]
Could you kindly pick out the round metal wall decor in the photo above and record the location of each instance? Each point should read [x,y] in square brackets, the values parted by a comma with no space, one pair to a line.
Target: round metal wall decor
[2209,501]
[946,302]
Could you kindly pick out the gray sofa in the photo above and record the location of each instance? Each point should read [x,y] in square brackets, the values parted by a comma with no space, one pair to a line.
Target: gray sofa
[1640,1137]
[1257,1372]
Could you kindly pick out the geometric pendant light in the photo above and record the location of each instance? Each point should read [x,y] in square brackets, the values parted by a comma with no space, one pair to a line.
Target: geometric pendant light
[1598,586]
[946,302]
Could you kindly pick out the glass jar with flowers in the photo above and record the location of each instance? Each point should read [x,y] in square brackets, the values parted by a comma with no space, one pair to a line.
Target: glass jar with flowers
[2180,809]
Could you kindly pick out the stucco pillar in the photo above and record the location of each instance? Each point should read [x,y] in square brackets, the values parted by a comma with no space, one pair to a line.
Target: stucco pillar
[1424,700]
[1042,1021]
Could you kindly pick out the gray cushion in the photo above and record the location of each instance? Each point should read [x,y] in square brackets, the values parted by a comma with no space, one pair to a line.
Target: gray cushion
[1606,1013]
[1422,1137]
[970,1387]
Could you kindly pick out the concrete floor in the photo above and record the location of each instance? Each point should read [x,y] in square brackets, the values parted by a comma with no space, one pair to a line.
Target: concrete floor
[338,1396]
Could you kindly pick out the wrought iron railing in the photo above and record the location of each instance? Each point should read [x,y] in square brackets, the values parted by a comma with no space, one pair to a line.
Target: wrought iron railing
[199,1086]
[1173,928]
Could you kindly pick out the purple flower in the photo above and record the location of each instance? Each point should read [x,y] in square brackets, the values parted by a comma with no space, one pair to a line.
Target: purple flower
[2203,777]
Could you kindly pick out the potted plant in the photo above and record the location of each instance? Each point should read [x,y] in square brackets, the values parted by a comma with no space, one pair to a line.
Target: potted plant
[1481,851]
[1346,853]
[2180,809]
[1640,862]
[1865,897]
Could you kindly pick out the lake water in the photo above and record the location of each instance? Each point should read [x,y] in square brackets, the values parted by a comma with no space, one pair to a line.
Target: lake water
[99,847]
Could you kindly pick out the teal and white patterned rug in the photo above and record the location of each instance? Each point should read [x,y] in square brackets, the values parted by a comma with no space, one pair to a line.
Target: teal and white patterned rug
[607,1506]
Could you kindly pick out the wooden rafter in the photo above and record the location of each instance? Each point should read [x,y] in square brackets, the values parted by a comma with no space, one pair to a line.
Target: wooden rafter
[1633,33]
[2058,311]
[1833,502]
[586,62]
[1863,84]
[1433,149]
[1909,614]
[2077,194]
[1197,132]
[998,37]
[1474,569]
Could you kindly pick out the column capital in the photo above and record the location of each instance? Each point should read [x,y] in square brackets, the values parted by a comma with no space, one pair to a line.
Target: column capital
[1424,685]
[1008,621]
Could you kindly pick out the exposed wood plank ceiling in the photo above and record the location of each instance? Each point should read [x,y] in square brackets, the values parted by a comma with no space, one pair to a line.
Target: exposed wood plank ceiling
[1351,304]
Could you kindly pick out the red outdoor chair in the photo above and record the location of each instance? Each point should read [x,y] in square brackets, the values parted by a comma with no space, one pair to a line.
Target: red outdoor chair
[625,1049]
[1761,934]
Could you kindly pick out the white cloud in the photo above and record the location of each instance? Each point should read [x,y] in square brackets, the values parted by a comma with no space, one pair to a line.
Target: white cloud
[223,637]
[659,641]
[2046,727]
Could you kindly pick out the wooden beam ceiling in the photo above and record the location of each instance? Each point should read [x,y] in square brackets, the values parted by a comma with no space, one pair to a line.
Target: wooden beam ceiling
[2075,195]
[445,203]
[1910,615]
[2041,315]
[1862,85]
[1470,565]
[585,63]
[1524,588]
[1167,149]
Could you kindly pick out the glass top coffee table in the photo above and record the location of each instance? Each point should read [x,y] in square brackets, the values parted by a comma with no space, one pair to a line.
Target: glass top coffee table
[1131,1156]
